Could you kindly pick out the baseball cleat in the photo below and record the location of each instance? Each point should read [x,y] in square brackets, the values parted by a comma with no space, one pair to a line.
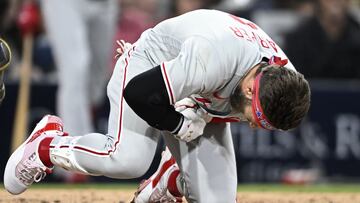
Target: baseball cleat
[154,189]
[24,165]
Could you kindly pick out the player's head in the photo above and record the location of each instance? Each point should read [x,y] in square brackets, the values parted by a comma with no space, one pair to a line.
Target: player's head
[273,98]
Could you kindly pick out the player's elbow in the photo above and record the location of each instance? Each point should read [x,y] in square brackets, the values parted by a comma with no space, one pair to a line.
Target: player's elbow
[137,97]
[129,93]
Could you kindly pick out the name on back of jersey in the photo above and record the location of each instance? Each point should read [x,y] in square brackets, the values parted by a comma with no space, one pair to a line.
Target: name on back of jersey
[251,33]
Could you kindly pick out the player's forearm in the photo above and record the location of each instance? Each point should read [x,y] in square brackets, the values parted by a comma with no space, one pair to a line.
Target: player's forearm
[146,95]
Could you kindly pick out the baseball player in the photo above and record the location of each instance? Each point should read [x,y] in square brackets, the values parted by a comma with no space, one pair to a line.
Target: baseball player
[216,68]
[5,58]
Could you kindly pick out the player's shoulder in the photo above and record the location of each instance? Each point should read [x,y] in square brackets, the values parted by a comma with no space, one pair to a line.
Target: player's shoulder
[204,47]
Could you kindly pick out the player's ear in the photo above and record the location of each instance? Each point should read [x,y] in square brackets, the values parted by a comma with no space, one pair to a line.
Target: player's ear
[248,90]
[248,93]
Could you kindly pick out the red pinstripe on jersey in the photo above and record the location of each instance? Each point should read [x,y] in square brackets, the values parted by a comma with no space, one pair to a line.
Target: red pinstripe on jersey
[167,84]
[113,149]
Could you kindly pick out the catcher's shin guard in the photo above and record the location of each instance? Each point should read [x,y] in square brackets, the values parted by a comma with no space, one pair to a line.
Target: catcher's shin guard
[2,92]
[5,55]
[5,58]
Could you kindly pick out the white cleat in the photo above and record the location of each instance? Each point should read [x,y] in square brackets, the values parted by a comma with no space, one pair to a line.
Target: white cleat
[24,165]
[154,189]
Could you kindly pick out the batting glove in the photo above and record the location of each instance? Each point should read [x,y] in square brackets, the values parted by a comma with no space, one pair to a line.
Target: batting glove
[192,126]
[188,103]
[194,122]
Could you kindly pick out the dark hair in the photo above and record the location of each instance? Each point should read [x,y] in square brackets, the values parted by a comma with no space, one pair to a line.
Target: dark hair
[284,96]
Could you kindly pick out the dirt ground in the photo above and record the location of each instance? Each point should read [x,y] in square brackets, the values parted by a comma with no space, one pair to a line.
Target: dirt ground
[124,196]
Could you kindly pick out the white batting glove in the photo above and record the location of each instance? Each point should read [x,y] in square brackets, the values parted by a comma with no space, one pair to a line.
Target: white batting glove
[188,103]
[184,104]
[195,120]
[192,126]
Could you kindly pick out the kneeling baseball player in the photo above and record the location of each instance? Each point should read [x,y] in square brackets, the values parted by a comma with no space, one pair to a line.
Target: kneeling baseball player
[185,79]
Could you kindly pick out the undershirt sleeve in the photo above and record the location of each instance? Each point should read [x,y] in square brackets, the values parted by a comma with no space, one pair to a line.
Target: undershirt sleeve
[147,96]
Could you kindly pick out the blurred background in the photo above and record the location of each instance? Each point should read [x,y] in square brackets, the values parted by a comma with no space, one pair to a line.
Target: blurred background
[73,57]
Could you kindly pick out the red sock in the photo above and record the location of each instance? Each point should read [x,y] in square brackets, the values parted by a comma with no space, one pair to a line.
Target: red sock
[172,187]
[44,151]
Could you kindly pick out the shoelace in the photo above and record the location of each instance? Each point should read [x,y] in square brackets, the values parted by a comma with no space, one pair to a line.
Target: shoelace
[28,174]
[161,196]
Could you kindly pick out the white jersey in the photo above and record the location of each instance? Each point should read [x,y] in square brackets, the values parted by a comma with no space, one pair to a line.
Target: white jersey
[204,54]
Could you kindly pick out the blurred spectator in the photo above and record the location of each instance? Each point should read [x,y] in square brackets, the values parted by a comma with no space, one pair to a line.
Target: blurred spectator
[9,31]
[81,33]
[134,19]
[328,44]
[139,15]
[43,65]
[281,18]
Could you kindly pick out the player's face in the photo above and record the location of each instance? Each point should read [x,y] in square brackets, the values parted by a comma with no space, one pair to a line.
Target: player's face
[243,103]
[241,100]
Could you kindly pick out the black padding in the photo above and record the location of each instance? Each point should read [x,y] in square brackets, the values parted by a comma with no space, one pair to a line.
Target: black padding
[146,94]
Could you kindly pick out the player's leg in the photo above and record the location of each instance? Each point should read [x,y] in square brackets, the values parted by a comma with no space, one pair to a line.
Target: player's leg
[68,34]
[162,185]
[208,170]
[128,148]
[125,152]
[207,165]
[66,25]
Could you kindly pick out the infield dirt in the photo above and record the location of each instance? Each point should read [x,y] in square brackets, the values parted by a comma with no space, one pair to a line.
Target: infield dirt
[124,196]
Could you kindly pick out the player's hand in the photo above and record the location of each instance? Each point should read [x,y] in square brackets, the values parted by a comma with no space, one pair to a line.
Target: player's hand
[192,126]
[195,120]
[28,20]
[122,46]
[189,103]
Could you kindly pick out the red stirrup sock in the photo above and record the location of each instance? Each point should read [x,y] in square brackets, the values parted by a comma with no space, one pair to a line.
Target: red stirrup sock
[44,151]
[172,184]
